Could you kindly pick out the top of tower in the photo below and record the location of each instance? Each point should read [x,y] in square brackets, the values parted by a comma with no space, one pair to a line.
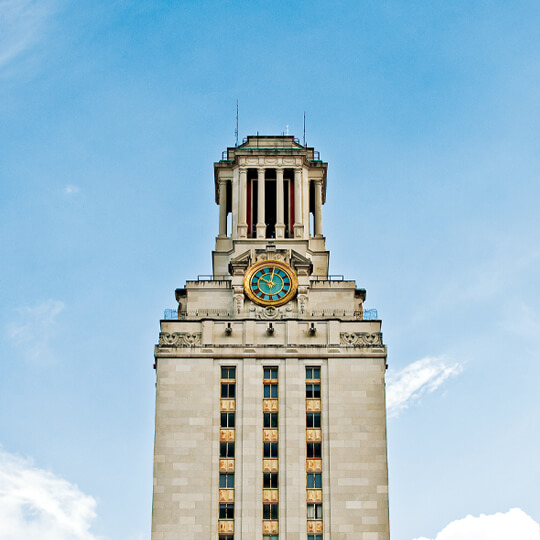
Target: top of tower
[270,145]
[274,144]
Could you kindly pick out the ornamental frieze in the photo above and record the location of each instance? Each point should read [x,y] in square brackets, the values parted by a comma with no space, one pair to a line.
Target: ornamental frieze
[179,339]
[362,339]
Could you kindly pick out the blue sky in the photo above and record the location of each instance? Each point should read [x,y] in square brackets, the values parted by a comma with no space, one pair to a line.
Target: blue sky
[111,116]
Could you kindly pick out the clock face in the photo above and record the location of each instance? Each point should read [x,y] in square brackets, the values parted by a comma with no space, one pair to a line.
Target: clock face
[270,283]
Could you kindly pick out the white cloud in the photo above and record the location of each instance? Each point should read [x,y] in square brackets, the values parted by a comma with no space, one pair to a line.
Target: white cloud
[70,189]
[37,504]
[34,328]
[21,26]
[420,377]
[513,525]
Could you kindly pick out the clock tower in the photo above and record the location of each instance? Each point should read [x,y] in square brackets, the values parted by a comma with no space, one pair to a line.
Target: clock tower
[270,393]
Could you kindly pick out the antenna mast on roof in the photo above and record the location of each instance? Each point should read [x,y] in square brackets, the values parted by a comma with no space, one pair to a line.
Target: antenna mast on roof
[236,130]
[304,128]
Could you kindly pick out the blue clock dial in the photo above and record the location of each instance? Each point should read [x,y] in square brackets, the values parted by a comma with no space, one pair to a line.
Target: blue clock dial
[271,283]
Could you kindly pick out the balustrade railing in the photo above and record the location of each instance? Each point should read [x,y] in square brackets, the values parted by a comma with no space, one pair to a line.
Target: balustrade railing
[366,314]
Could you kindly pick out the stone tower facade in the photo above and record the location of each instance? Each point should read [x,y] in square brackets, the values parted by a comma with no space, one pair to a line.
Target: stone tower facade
[270,400]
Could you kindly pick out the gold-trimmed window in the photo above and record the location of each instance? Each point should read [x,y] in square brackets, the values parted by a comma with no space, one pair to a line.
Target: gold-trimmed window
[227,420]
[270,391]
[270,420]
[226,480]
[228,372]
[313,420]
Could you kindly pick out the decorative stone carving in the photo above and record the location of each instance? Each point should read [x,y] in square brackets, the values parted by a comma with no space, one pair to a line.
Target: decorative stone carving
[362,339]
[179,339]
[269,312]
[302,299]
[238,298]
[270,253]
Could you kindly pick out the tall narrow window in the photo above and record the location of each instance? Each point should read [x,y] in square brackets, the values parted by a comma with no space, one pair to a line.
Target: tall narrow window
[270,495]
[226,480]
[270,203]
[270,450]
[252,198]
[270,420]
[314,453]
[314,511]
[313,391]
[288,200]
[228,390]
[311,209]
[270,391]
[270,480]
[227,418]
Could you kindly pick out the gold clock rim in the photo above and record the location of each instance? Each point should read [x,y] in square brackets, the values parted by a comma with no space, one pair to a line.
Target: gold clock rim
[280,264]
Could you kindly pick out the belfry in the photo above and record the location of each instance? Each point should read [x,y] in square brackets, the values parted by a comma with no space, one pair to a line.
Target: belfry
[270,392]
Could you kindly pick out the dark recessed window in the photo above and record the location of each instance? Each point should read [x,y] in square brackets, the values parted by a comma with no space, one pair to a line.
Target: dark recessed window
[226,480]
[313,391]
[227,390]
[227,420]
[270,511]
[226,449]
[314,450]
[314,537]
[270,420]
[270,372]
[270,480]
[270,391]
[228,373]
[313,420]
[314,480]
[270,450]
[226,510]
[313,373]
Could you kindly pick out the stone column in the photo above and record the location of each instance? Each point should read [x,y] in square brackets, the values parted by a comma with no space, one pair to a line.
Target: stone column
[318,208]
[298,225]
[261,223]
[242,204]
[222,208]
[280,223]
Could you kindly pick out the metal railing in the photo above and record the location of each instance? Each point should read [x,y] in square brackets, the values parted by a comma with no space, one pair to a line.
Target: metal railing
[329,277]
[170,314]
[276,150]
[370,314]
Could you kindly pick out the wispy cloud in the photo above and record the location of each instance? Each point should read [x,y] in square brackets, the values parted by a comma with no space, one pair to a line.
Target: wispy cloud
[38,504]
[33,329]
[22,24]
[501,526]
[421,377]
[70,189]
